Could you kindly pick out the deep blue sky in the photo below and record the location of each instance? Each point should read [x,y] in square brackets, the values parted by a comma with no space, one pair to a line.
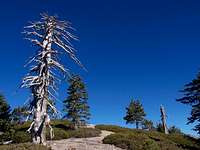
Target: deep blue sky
[144,49]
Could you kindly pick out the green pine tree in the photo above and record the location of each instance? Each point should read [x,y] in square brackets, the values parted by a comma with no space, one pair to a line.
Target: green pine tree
[135,113]
[4,114]
[159,127]
[147,124]
[192,98]
[76,106]
[19,114]
[174,130]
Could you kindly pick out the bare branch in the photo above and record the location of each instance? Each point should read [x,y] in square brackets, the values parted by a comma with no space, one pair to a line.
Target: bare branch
[33,33]
[43,75]
[31,126]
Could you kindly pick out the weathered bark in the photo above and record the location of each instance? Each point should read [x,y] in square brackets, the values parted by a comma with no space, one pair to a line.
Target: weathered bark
[42,78]
[163,119]
[39,132]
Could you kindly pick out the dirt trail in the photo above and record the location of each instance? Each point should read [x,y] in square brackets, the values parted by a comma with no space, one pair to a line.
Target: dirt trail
[94,143]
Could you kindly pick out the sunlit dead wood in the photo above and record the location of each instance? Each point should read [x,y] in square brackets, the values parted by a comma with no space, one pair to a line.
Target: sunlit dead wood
[51,36]
[163,119]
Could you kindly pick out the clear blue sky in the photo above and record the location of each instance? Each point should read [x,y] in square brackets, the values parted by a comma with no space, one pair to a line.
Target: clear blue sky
[132,49]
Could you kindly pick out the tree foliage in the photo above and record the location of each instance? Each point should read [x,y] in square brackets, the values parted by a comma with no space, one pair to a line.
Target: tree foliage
[174,129]
[147,124]
[5,113]
[135,113]
[192,97]
[159,127]
[19,114]
[76,105]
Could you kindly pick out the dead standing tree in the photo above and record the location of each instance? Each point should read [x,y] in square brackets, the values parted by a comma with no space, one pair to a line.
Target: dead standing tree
[50,35]
[163,119]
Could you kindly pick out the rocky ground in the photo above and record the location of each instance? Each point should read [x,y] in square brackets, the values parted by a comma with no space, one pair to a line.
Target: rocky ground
[94,143]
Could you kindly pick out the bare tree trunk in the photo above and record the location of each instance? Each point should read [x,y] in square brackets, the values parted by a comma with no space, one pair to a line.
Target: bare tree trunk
[163,119]
[42,78]
[39,129]
[39,132]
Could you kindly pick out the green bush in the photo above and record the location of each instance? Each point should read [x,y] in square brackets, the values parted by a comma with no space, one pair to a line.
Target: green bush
[5,125]
[150,145]
[119,140]
[63,124]
[16,137]
[174,129]
[79,133]
[5,137]
[21,137]
[84,133]
[112,128]
[58,134]
[132,139]
[184,141]
[61,130]
[135,141]
[24,146]
[22,127]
